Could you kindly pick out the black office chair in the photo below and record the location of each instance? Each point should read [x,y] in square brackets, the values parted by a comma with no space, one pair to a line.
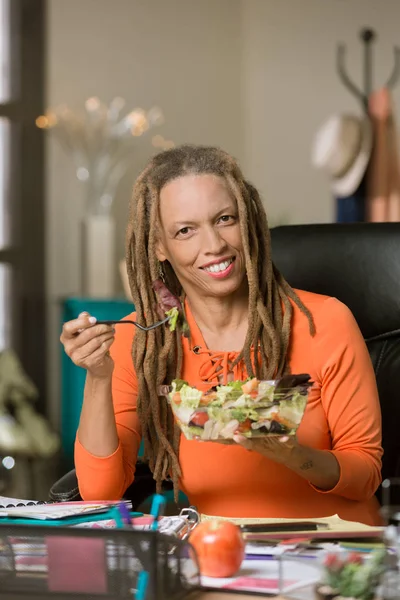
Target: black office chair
[66,489]
[360,265]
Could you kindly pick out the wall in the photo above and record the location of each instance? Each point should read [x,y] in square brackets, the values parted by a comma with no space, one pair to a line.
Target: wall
[181,55]
[290,87]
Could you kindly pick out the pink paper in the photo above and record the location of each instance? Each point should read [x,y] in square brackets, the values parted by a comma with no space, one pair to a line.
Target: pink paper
[269,586]
[76,565]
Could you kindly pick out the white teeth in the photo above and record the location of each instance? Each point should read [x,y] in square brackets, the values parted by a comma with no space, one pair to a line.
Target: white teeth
[222,266]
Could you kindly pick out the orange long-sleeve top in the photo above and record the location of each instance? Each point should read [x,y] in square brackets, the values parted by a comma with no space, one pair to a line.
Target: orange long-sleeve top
[342,416]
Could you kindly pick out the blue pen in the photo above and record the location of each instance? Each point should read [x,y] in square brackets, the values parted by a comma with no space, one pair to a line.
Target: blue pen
[141,590]
[116,515]
[157,510]
[124,512]
[278,556]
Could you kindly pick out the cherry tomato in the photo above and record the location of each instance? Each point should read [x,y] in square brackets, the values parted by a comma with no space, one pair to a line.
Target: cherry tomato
[250,386]
[199,419]
[176,398]
[245,426]
[219,546]
[207,398]
[283,421]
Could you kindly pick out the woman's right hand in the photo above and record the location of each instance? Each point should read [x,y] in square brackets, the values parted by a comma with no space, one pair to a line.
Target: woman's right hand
[88,344]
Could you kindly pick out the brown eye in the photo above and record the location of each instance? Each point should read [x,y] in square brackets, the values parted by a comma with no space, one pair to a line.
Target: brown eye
[226,219]
[184,231]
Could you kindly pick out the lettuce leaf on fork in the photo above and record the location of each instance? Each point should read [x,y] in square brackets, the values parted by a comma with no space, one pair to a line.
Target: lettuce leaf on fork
[173,314]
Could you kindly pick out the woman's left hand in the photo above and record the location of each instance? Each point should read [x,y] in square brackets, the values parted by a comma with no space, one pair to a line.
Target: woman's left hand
[278,448]
[319,467]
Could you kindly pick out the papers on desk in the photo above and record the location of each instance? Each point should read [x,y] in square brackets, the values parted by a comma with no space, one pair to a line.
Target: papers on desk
[83,514]
[332,527]
[279,568]
[271,567]
[268,577]
[306,551]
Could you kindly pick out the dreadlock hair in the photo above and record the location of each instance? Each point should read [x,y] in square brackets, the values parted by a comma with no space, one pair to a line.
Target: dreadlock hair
[157,355]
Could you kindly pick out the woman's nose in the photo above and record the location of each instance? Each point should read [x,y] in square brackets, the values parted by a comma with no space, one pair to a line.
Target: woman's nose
[213,242]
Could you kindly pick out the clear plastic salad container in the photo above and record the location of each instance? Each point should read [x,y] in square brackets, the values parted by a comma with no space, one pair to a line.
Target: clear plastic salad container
[254,408]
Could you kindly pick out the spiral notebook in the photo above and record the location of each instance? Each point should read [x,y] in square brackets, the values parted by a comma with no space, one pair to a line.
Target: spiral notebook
[45,511]
[14,502]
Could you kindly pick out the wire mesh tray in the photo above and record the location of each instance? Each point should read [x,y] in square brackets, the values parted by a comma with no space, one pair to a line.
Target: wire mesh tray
[47,562]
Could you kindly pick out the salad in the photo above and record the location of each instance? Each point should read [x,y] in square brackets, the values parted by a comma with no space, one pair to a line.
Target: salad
[254,408]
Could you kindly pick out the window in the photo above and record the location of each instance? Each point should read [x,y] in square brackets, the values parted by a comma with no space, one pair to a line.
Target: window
[5,36]
[5,222]
[5,306]
[22,287]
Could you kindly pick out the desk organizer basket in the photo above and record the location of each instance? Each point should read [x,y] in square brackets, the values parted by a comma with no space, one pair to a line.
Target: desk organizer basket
[78,563]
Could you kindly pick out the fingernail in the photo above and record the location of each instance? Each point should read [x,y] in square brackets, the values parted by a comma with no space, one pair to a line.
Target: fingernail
[92,320]
[285,438]
[83,314]
[239,438]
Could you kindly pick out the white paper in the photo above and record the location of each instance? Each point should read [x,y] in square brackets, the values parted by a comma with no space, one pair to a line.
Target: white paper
[268,550]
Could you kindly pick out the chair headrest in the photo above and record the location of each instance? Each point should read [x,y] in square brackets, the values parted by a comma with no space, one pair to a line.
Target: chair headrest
[357,263]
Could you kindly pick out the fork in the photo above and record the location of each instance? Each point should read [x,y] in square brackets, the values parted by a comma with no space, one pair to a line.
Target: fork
[128,322]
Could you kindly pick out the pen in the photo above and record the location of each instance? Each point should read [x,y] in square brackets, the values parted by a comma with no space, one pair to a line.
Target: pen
[265,528]
[277,557]
[361,545]
[116,515]
[124,512]
[143,579]
[157,509]
[365,549]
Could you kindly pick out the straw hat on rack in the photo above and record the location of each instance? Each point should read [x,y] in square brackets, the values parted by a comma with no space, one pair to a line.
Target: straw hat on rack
[342,148]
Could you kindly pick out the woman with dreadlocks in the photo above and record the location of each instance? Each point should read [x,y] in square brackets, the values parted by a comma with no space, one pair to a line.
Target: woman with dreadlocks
[199,225]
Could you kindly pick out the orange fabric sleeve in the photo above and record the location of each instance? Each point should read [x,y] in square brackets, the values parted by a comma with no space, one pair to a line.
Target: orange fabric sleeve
[350,399]
[108,477]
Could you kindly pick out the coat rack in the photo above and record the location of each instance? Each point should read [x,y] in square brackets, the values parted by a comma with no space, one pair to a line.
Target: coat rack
[367,36]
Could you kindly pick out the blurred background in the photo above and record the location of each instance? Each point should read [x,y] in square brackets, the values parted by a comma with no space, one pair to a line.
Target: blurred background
[89,90]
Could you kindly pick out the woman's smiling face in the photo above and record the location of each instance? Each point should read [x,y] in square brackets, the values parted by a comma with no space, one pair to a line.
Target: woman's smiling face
[200,235]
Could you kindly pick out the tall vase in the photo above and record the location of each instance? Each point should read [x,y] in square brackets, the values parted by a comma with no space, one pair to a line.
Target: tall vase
[99,263]
[98,244]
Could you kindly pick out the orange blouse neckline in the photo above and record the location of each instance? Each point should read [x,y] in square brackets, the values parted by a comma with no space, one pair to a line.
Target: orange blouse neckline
[215,362]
